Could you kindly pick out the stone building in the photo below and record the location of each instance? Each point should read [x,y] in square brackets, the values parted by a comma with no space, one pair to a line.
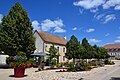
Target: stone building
[45,40]
[113,50]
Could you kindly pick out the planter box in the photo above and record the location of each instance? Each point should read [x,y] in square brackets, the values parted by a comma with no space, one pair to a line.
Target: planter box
[19,72]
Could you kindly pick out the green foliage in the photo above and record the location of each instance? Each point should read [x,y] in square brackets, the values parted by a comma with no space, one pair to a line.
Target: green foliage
[31,60]
[54,61]
[101,53]
[41,59]
[108,62]
[73,48]
[84,66]
[20,53]
[53,52]
[58,65]
[20,60]
[16,32]
[88,50]
[71,67]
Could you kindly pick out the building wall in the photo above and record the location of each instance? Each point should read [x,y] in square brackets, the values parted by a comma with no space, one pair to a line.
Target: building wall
[39,43]
[115,54]
[62,51]
[41,46]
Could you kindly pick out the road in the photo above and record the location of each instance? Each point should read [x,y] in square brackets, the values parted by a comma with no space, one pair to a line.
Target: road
[109,72]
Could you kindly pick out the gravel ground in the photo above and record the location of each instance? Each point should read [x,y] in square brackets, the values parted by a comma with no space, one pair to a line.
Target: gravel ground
[102,73]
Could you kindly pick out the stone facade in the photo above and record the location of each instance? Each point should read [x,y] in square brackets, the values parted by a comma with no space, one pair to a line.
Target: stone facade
[43,46]
[113,50]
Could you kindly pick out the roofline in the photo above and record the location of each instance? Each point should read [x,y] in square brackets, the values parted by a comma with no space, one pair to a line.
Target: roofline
[48,41]
[55,43]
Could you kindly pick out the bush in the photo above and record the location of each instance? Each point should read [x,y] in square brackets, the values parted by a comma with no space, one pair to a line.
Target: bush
[90,67]
[54,61]
[20,53]
[58,65]
[84,67]
[71,67]
[20,60]
[108,62]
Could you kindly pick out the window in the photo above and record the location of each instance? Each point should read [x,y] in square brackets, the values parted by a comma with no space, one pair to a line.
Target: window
[63,49]
[58,49]
[118,49]
[110,50]
[111,54]
[46,48]
[114,49]
[63,58]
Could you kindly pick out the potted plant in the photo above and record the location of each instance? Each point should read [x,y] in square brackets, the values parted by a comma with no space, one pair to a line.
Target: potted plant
[19,63]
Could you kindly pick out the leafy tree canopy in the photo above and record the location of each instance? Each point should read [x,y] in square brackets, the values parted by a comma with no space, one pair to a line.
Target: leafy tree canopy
[53,52]
[16,32]
[73,48]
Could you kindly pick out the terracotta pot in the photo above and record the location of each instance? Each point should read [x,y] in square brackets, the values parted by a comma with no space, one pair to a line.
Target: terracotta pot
[29,65]
[19,72]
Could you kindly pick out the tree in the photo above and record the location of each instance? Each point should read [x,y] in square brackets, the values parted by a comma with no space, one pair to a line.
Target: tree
[16,32]
[73,48]
[88,52]
[103,53]
[100,53]
[53,52]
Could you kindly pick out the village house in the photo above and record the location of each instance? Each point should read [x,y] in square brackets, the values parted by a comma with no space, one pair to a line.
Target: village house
[45,40]
[113,50]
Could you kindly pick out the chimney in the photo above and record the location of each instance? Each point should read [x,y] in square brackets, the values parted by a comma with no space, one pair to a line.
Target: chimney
[64,37]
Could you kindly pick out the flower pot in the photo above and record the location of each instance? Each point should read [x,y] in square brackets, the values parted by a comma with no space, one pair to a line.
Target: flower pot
[19,72]
[29,65]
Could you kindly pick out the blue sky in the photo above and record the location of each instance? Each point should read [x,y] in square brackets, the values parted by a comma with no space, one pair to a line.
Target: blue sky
[97,20]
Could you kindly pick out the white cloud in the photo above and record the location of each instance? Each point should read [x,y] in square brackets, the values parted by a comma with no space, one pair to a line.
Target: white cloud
[111,3]
[110,17]
[59,30]
[75,28]
[94,10]
[36,25]
[99,16]
[89,4]
[117,41]
[94,40]
[1,16]
[118,37]
[81,11]
[109,43]
[117,7]
[90,30]
[104,18]
[107,34]
[57,25]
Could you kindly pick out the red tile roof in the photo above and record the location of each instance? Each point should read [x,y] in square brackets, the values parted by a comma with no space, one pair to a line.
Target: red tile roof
[51,38]
[110,46]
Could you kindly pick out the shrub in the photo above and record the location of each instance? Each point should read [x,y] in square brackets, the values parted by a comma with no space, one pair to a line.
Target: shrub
[58,65]
[90,67]
[54,61]
[20,60]
[108,62]
[71,67]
